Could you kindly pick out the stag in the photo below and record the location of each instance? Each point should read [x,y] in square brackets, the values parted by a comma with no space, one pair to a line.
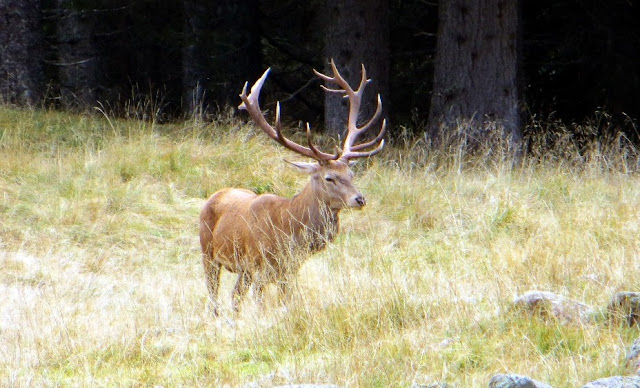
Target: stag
[265,238]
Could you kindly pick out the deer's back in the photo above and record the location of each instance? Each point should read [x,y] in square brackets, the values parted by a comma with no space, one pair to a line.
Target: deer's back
[234,226]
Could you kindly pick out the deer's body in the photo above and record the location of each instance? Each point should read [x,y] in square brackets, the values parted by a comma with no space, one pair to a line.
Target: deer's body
[266,238]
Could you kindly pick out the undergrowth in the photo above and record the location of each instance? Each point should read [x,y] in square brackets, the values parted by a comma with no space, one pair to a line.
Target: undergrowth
[102,282]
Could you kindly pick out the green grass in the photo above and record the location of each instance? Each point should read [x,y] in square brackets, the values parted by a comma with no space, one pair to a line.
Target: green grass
[102,284]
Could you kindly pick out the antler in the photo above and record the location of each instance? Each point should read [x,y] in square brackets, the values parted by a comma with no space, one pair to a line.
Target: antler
[250,104]
[349,150]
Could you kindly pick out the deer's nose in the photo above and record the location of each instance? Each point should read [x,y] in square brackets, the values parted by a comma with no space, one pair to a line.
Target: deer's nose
[360,200]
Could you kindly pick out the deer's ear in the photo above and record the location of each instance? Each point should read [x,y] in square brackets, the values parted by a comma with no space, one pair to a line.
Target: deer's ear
[307,168]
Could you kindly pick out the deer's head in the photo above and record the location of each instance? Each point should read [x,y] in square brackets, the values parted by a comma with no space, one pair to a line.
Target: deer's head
[331,176]
[332,183]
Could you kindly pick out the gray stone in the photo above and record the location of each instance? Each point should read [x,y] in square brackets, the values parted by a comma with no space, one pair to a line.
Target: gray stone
[308,386]
[549,305]
[515,381]
[625,307]
[615,382]
[434,385]
[633,357]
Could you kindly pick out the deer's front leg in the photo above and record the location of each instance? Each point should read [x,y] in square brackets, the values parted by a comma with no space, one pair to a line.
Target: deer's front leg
[284,291]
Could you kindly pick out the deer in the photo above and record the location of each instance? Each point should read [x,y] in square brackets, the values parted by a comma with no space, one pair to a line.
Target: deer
[266,238]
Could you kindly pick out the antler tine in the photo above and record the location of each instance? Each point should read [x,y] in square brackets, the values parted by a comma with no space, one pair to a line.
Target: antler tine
[376,115]
[363,81]
[336,79]
[251,104]
[363,154]
[349,150]
[374,141]
[316,151]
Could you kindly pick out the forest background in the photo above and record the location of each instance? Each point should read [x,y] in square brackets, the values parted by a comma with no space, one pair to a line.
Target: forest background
[566,61]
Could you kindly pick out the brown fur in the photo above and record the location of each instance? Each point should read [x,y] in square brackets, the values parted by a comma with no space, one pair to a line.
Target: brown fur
[265,238]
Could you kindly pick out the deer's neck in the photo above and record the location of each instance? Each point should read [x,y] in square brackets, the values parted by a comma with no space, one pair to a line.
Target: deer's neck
[317,220]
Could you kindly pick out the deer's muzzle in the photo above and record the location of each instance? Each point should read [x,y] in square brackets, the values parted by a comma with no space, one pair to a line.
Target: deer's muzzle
[358,201]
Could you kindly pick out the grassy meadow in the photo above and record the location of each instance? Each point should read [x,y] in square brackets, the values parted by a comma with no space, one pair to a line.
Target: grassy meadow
[101,282]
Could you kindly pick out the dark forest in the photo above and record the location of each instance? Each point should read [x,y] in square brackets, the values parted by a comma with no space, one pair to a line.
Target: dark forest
[575,61]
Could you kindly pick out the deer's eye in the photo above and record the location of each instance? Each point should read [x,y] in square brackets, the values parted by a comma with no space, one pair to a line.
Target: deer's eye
[329,179]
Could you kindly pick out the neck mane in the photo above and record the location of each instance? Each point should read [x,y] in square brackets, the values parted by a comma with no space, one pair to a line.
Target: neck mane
[311,210]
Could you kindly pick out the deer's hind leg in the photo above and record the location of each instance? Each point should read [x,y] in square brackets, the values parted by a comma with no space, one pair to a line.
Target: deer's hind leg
[245,278]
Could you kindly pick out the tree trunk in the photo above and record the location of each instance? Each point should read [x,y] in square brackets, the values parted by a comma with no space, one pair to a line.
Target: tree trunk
[476,69]
[357,33]
[221,52]
[77,56]
[21,50]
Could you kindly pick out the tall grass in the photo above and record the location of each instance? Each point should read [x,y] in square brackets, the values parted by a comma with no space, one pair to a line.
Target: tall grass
[102,285]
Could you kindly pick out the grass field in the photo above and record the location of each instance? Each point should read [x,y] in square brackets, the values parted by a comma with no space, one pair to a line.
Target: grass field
[101,282]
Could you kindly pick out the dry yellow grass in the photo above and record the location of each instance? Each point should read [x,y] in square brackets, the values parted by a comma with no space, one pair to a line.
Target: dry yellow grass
[102,285]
